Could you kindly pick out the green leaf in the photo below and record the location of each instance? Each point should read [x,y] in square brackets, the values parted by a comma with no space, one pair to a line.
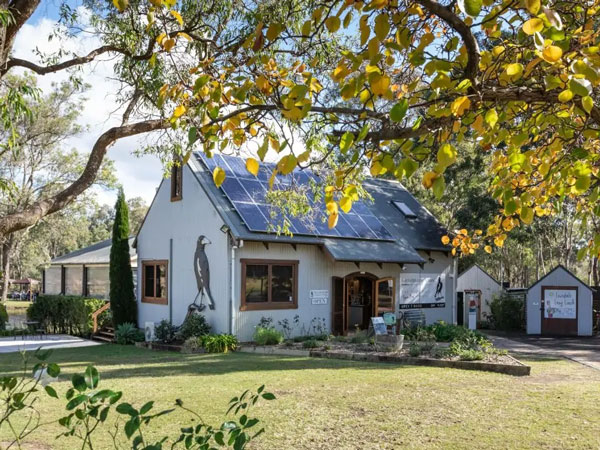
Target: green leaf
[399,110]
[510,207]
[268,396]
[53,370]
[439,186]
[127,409]
[346,142]
[91,377]
[79,382]
[192,135]
[470,7]
[363,132]
[147,407]
[50,391]
[76,402]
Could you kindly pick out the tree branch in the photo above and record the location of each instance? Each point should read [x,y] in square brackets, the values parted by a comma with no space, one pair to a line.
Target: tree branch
[463,30]
[32,214]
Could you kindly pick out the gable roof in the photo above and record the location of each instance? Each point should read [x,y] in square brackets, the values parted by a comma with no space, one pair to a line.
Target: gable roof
[560,266]
[98,253]
[473,266]
[409,235]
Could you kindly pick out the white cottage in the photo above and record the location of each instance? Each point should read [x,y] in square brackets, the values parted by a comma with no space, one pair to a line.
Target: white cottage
[83,272]
[212,249]
[478,285]
[559,303]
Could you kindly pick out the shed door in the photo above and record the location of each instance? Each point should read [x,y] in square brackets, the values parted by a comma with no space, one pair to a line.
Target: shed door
[338,306]
[559,310]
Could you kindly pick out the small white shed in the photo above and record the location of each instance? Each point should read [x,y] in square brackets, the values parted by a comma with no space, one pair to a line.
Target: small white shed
[559,304]
[475,283]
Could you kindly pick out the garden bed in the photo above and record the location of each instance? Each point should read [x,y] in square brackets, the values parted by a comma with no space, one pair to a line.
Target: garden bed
[493,362]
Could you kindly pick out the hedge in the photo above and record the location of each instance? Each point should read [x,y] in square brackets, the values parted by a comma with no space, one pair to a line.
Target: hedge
[67,314]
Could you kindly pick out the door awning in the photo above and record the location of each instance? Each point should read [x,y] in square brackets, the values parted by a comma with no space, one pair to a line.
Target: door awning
[355,250]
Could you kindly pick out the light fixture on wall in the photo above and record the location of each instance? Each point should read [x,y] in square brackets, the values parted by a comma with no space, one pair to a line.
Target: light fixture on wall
[224,229]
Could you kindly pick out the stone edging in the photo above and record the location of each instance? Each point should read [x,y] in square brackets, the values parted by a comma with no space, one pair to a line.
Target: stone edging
[518,369]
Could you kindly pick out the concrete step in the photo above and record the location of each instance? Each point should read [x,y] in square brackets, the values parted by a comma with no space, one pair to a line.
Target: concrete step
[102,338]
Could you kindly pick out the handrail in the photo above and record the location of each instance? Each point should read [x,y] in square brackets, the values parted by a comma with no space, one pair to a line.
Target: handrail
[96,313]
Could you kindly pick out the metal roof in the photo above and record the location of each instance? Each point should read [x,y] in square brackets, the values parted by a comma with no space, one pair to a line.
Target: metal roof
[98,253]
[560,266]
[420,233]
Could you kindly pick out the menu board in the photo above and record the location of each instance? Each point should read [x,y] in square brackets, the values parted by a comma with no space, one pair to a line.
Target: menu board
[422,290]
[560,303]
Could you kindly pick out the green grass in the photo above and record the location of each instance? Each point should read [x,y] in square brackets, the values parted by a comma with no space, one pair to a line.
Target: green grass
[331,404]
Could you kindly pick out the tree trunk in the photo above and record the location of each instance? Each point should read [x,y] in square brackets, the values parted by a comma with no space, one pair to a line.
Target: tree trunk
[7,249]
[595,271]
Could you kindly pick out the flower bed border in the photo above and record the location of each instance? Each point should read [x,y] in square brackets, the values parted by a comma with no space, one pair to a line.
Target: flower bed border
[518,369]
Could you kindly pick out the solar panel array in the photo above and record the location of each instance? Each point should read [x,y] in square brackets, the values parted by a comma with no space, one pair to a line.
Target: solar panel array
[247,193]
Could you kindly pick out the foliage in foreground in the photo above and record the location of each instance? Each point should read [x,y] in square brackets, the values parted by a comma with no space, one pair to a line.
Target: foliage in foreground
[3,316]
[91,409]
[64,313]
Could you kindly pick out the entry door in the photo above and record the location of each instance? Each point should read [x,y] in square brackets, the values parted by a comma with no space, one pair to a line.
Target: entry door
[559,310]
[385,296]
[460,308]
[338,306]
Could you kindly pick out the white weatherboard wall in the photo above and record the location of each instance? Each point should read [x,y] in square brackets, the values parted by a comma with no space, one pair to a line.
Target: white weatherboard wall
[184,221]
[475,279]
[560,277]
[315,272]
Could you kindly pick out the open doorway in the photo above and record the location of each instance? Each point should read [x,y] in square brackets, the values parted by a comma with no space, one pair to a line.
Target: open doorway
[358,297]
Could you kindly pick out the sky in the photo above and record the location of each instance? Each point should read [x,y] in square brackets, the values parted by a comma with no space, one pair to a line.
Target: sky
[140,176]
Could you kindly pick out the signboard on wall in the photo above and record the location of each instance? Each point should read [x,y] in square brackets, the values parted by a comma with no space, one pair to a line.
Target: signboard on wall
[560,303]
[422,290]
[319,296]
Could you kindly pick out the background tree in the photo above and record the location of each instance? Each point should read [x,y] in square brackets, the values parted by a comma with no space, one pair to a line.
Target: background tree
[122,296]
[39,165]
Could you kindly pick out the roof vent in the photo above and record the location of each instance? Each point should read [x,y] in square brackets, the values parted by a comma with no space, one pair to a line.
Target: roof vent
[404,209]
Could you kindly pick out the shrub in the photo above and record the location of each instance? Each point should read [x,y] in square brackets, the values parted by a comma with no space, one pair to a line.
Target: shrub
[64,313]
[219,343]
[127,334]
[414,350]
[470,355]
[3,316]
[165,332]
[359,338]
[507,313]
[311,343]
[192,344]
[194,325]
[267,336]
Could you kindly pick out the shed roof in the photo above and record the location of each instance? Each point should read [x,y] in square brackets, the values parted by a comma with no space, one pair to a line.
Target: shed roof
[98,253]
[420,233]
[473,266]
[560,266]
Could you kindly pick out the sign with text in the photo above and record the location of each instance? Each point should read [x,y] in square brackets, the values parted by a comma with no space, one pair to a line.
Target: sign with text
[560,303]
[319,296]
[422,290]
[379,326]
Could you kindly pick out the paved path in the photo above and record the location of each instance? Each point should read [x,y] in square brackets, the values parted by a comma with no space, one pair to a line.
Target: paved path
[584,350]
[10,345]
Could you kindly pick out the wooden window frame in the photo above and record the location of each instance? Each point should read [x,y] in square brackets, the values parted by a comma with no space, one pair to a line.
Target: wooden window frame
[269,304]
[177,188]
[156,300]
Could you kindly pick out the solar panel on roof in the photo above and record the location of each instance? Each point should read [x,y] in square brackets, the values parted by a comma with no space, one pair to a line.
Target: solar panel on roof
[248,196]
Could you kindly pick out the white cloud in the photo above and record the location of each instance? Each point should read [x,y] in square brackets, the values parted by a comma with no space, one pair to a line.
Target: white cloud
[138,175]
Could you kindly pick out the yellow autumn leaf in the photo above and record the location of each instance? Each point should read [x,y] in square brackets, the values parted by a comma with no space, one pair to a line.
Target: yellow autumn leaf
[533,6]
[168,44]
[346,204]
[488,249]
[552,53]
[177,16]
[514,70]
[218,176]
[428,179]
[121,5]
[179,111]
[445,240]
[533,26]
[332,221]
[252,166]
[333,23]
[380,84]
[460,105]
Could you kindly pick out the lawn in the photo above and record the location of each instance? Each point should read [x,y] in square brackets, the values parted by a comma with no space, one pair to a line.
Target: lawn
[330,404]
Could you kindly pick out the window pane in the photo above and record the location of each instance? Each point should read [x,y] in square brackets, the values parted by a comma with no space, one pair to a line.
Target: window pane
[283,284]
[385,299]
[257,283]
[149,281]
[161,281]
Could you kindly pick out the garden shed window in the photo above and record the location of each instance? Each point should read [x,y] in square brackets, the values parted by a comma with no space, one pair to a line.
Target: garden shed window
[154,282]
[269,284]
